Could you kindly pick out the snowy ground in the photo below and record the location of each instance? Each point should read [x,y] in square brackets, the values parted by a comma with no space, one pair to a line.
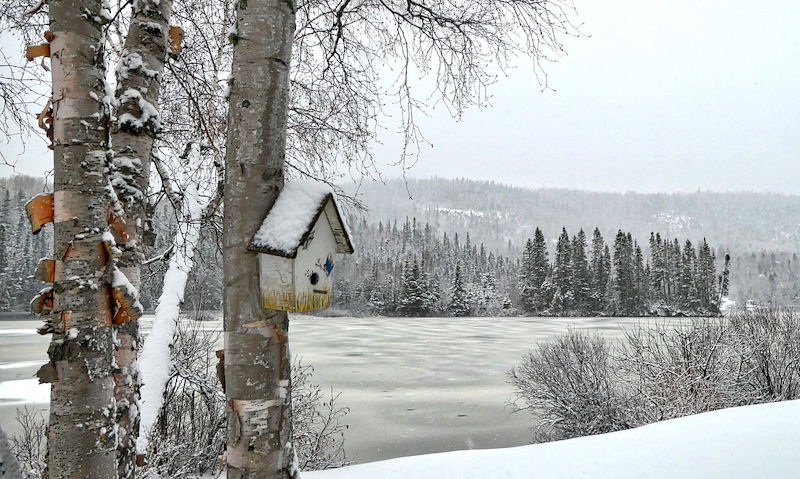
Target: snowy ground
[748,442]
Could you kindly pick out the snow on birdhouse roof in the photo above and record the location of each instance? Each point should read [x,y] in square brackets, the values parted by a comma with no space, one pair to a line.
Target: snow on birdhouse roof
[289,222]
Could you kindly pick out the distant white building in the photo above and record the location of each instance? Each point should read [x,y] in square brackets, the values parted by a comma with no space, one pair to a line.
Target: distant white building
[727,305]
[752,305]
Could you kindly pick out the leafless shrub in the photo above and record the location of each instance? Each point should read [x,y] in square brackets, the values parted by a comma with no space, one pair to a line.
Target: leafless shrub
[768,344]
[672,372]
[29,444]
[579,385]
[9,467]
[317,423]
[189,436]
[569,385]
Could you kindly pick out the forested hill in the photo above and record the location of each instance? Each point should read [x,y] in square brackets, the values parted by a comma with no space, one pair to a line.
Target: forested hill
[498,213]
[759,231]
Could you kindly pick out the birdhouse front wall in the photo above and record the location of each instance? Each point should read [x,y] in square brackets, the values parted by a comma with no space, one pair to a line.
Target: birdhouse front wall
[276,276]
[314,267]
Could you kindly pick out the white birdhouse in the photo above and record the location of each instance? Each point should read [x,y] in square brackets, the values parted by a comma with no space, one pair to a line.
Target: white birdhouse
[297,245]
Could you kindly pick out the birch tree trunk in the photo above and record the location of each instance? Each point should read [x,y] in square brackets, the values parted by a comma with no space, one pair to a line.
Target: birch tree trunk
[257,362]
[81,436]
[138,84]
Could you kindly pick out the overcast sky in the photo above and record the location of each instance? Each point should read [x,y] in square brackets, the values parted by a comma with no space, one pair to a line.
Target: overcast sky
[673,95]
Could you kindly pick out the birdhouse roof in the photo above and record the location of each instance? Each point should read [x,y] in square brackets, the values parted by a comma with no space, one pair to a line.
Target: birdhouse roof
[292,217]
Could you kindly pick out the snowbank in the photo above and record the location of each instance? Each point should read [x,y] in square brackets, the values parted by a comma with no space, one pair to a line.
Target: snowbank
[745,442]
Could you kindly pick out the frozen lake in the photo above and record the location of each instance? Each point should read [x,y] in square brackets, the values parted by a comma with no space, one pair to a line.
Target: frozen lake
[413,385]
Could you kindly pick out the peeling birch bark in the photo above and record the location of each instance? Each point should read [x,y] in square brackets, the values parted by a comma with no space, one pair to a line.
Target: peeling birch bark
[132,136]
[257,361]
[82,432]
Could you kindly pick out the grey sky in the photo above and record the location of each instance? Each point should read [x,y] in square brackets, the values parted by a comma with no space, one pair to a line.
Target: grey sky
[663,96]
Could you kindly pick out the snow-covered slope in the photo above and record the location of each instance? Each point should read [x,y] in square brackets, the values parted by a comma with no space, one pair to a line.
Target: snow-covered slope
[494,213]
[760,441]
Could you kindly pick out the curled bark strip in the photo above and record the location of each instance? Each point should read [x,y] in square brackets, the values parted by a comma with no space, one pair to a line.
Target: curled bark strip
[121,231]
[42,303]
[45,270]
[46,373]
[124,305]
[36,51]
[175,39]
[45,120]
[39,211]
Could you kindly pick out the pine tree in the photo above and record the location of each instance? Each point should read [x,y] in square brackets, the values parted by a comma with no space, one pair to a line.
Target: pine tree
[412,300]
[624,273]
[528,289]
[389,295]
[459,306]
[540,269]
[657,264]
[406,234]
[674,265]
[429,292]
[724,278]
[599,272]
[376,303]
[5,243]
[581,279]
[706,279]
[641,281]
[687,288]
[489,302]
[562,273]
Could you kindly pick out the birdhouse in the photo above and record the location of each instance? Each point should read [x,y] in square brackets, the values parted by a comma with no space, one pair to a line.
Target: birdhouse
[297,245]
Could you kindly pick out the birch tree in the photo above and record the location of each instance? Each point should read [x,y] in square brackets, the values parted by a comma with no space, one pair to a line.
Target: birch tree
[155,358]
[82,432]
[113,208]
[139,73]
[257,362]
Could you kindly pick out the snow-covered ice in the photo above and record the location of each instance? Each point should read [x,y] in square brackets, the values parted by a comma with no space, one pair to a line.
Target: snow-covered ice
[20,365]
[18,332]
[24,391]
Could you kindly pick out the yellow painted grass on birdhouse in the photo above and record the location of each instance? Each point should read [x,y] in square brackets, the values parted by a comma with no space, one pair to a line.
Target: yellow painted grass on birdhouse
[285,300]
[281,299]
[313,299]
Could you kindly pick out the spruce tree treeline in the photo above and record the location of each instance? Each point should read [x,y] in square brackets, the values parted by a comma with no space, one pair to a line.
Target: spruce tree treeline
[409,270]
[681,281]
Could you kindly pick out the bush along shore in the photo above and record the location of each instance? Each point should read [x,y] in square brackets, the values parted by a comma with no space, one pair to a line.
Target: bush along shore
[579,384]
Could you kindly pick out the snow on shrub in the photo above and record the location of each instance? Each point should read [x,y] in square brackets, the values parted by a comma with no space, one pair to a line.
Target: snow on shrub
[578,384]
